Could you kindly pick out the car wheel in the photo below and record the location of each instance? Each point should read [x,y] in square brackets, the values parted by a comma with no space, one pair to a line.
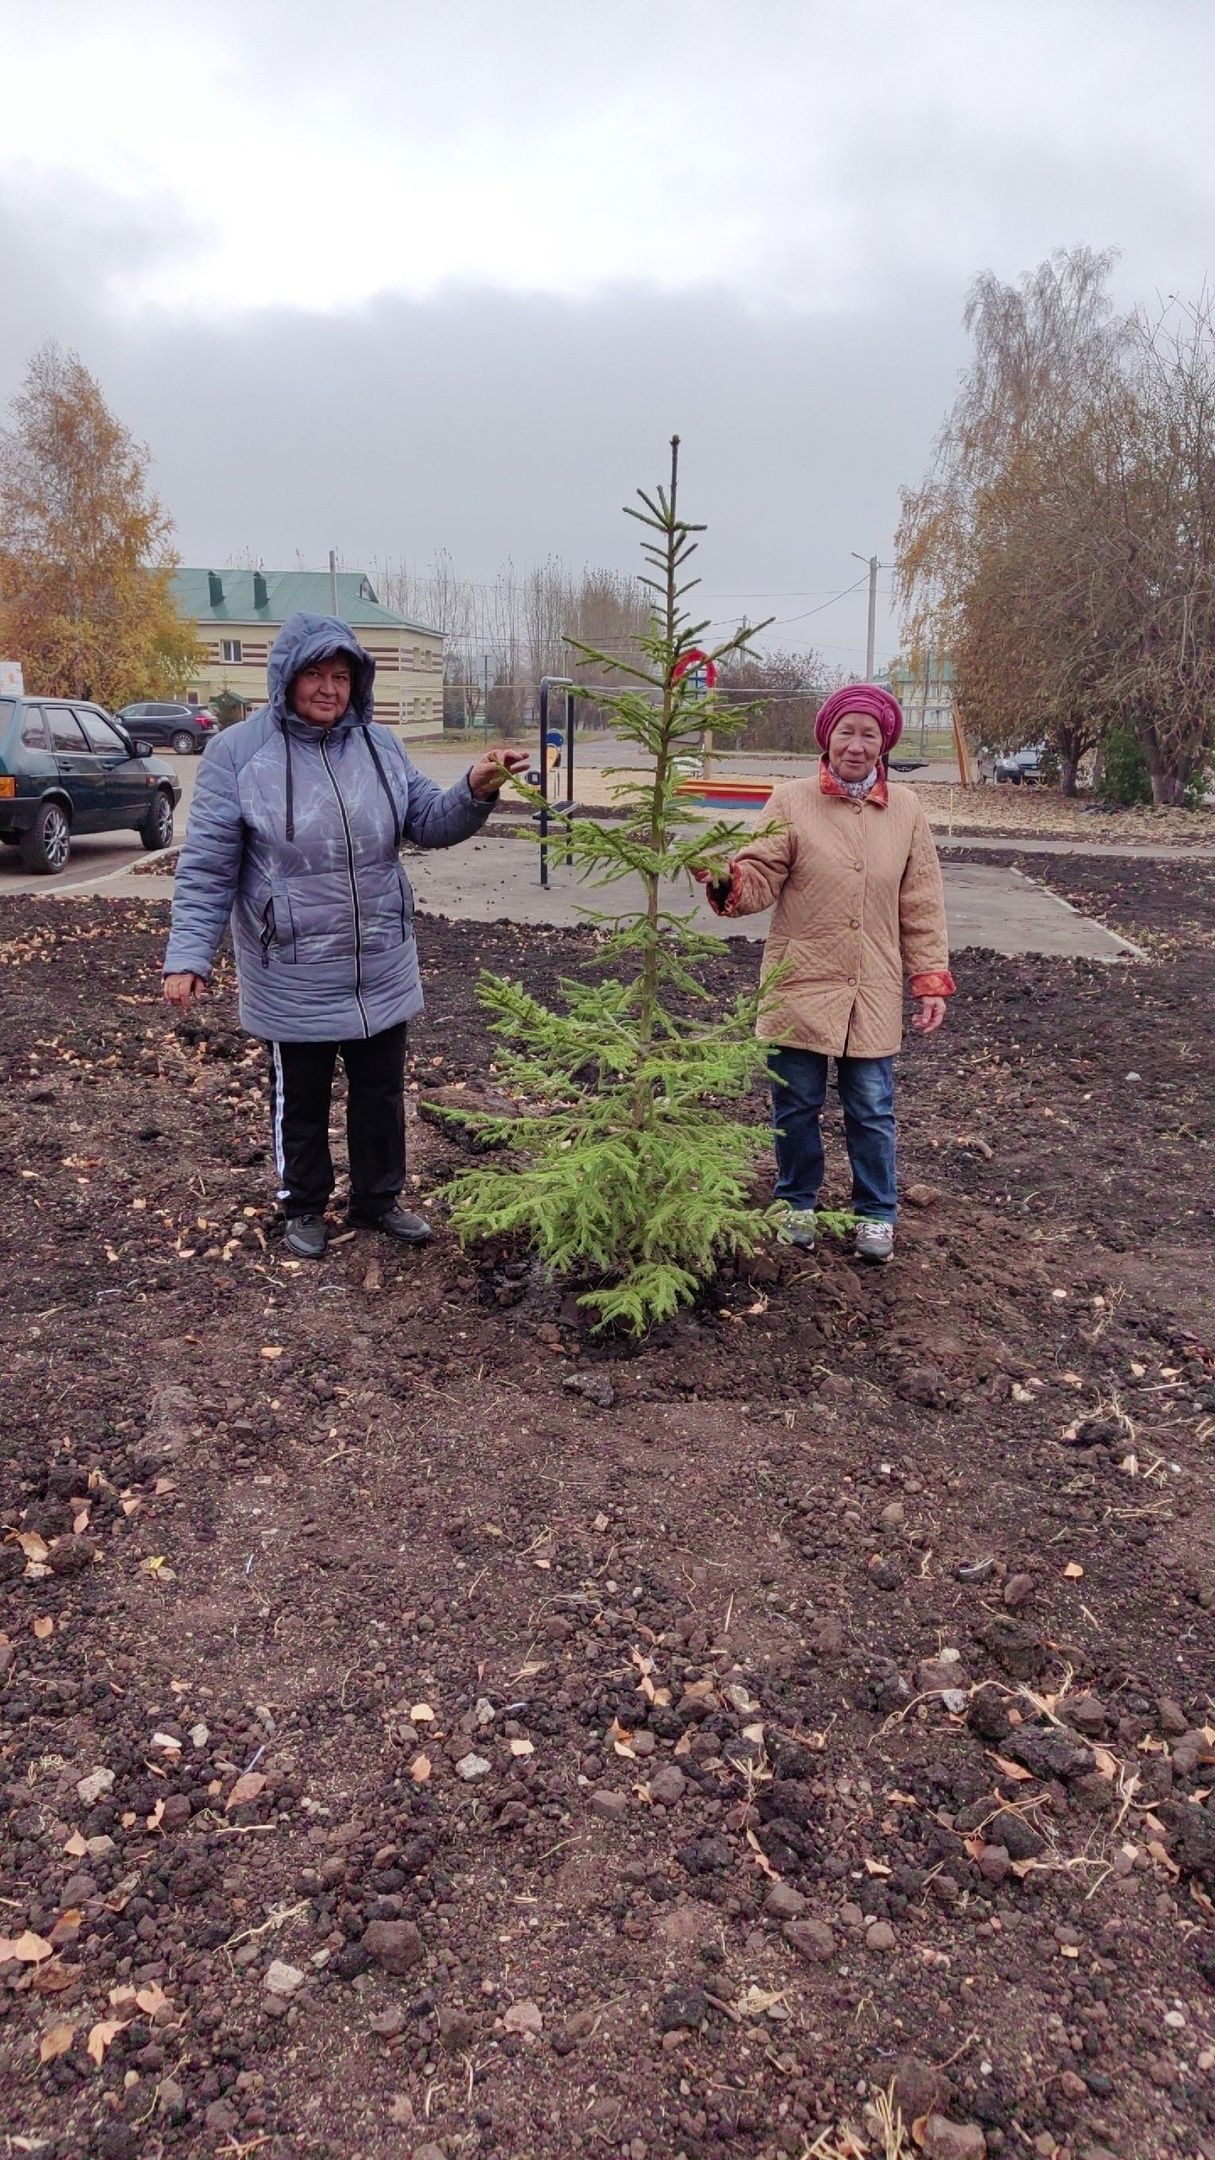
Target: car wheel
[181,743]
[48,843]
[157,828]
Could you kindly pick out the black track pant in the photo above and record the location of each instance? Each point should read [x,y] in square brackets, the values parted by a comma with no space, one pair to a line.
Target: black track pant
[301,1085]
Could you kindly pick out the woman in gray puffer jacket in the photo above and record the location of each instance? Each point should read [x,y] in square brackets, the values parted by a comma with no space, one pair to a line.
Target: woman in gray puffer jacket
[294,833]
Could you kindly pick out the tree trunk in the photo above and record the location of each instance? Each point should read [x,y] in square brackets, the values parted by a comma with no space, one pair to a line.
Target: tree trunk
[1068,767]
[1167,788]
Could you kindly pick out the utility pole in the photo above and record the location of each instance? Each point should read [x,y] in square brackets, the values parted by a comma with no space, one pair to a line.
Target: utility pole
[333,580]
[874,566]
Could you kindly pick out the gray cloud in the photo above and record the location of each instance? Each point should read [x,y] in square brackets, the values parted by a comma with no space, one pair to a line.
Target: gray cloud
[802,195]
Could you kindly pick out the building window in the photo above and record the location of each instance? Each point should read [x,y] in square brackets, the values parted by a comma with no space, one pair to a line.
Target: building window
[229,650]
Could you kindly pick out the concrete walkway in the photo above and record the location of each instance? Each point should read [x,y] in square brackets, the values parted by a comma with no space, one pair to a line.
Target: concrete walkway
[995,908]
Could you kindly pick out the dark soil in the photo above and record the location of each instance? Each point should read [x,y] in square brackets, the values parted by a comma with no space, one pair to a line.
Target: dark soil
[597,1789]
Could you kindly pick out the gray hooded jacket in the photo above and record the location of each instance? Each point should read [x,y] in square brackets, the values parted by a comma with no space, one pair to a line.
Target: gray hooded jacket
[294,833]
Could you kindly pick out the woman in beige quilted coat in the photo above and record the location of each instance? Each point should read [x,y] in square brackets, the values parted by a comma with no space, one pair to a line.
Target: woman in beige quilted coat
[853,876]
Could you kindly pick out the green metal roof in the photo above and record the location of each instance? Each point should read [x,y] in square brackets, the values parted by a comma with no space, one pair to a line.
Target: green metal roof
[287,593]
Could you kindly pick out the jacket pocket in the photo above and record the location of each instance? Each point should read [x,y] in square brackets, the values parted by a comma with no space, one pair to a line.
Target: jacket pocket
[406,904]
[278,926]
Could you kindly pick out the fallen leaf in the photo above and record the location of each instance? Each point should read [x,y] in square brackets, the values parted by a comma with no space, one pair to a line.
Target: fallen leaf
[122,1995]
[33,1546]
[155,1816]
[167,1743]
[421,1714]
[158,1567]
[55,2042]
[762,1861]
[1162,1859]
[877,1867]
[44,1628]
[28,1949]
[76,1845]
[419,1769]
[106,2030]
[522,1747]
[1015,1772]
[151,1999]
[80,1522]
[271,1350]
[762,2002]
[245,1790]
[1073,1571]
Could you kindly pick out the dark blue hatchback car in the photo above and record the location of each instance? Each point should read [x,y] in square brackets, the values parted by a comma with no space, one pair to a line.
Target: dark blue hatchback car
[66,767]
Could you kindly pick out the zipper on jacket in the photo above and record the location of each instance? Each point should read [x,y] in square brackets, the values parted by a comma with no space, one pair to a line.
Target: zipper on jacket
[268,931]
[354,890]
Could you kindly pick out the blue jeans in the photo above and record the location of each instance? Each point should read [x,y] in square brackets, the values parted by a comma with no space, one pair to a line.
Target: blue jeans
[866,1092]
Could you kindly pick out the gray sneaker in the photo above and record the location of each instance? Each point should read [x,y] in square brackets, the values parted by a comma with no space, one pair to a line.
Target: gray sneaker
[800,1227]
[306,1236]
[874,1240]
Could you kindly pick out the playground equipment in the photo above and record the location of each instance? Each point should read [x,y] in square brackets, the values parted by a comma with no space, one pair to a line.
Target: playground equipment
[551,741]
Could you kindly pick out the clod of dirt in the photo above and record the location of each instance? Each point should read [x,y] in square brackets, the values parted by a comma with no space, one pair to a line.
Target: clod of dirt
[450,1108]
[919,2088]
[395,1945]
[594,1386]
[945,2140]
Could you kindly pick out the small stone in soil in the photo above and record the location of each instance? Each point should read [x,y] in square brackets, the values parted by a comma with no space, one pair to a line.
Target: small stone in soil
[472,1766]
[810,1939]
[282,1979]
[388,2024]
[880,1936]
[523,2017]
[668,1785]
[784,1902]
[609,1803]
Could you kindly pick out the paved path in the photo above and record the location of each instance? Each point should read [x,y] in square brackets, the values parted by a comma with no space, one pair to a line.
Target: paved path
[992,907]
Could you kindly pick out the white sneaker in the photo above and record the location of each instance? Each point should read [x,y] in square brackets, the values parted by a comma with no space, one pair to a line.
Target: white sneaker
[800,1227]
[874,1240]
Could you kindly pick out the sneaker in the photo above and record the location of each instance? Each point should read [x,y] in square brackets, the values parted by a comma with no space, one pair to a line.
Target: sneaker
[306,1236]
[399,1223]
[874,1240]
[800,1227]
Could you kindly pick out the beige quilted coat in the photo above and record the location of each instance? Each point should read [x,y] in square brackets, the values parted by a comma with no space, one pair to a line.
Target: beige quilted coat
[857,891]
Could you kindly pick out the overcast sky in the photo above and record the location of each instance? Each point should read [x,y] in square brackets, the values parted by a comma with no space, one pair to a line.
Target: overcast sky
[448,273]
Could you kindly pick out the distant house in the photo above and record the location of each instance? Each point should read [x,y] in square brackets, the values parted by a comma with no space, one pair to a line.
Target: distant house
[238,614]
[926,693]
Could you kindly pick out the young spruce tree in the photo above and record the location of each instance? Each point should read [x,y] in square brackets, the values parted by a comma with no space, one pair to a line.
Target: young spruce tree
[629,1168]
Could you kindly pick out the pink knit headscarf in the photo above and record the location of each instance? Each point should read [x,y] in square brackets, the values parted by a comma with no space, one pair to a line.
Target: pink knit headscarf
[861,698]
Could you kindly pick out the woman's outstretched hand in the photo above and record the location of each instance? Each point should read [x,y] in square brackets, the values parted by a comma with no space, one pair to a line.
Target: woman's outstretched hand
[492,768]
[929,1016]
[183,989]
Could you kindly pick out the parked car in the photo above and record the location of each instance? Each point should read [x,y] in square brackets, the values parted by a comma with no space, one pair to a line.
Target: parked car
[185,728]
[66,768]
[1022,766]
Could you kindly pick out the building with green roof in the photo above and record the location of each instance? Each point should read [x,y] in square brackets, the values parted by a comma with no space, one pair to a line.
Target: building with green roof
[238,614]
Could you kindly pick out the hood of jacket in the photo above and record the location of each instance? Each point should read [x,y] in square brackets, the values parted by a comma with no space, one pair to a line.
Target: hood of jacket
[304,639]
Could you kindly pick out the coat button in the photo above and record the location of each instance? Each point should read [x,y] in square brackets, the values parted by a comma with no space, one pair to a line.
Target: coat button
[852,982]
[855,923]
